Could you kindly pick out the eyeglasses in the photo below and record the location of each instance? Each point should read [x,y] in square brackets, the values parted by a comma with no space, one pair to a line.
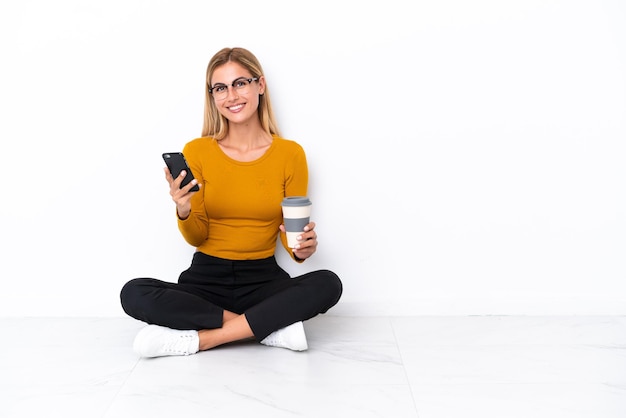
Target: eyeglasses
[220,90]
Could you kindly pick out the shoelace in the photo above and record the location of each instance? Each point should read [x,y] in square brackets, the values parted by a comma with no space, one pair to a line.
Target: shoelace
[179,344]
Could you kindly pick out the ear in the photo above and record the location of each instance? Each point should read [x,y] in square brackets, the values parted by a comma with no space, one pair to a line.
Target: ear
[262,85]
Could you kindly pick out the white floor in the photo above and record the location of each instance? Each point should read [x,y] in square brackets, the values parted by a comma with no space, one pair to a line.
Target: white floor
[427,367]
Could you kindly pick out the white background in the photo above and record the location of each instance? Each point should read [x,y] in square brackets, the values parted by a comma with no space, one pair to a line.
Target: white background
[466,157]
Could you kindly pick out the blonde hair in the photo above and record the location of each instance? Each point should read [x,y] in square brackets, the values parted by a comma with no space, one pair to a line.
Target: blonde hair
[215,124]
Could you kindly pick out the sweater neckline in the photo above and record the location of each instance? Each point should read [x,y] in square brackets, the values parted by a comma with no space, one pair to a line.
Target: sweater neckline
[253,162]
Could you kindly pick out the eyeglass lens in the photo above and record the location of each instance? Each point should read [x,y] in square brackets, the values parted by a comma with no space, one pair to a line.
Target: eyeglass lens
[220,91]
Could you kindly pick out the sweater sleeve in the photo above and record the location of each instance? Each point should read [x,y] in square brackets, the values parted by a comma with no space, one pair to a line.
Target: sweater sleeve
[195,228]
[296,184]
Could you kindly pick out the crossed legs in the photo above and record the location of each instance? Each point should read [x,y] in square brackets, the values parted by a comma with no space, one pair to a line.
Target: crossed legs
[234,328]
[190,320]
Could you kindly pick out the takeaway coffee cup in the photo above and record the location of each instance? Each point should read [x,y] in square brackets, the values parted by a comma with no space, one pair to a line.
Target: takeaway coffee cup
[296,215]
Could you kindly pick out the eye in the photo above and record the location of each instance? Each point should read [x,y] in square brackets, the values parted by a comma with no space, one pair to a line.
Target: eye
[241,83]
[218,88]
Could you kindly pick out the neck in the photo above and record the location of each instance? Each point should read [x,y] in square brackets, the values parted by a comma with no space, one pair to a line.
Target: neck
[245,137]
[247,147]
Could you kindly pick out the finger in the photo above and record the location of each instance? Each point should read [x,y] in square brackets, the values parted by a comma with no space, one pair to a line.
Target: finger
[168,175]
[187,188]
[306,248]
[178,180]
[306,241]
[307,236]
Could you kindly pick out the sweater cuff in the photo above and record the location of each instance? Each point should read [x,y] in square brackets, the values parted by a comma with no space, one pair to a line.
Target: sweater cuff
[295,257]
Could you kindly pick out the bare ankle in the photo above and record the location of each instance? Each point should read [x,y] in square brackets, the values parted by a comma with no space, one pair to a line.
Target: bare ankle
[236,329]
[228,316]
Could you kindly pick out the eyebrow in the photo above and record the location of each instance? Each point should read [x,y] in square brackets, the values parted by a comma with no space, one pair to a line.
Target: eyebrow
[228,84]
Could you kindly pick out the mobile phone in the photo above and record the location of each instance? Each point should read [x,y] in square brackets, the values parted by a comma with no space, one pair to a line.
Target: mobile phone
[176,163]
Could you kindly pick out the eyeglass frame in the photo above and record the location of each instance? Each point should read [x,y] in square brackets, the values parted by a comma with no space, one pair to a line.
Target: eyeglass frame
[249,80]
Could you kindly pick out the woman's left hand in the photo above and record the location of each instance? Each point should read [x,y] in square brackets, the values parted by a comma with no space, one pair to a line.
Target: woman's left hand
[307,242]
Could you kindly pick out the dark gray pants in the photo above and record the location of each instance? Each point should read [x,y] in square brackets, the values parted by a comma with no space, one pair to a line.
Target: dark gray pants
[261,289]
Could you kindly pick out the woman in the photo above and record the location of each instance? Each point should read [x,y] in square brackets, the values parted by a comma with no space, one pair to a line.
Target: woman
[234,288]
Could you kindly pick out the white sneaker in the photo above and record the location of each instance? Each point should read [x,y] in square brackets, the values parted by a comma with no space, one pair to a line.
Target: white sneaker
[291,337]
[157,341]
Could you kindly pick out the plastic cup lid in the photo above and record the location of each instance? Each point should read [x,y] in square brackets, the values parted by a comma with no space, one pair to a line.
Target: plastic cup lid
[296,201]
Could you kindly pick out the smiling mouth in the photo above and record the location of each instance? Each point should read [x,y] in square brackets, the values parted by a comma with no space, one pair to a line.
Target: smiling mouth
[236,108]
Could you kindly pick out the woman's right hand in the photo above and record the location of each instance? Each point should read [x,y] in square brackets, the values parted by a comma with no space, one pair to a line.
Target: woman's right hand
[180,196]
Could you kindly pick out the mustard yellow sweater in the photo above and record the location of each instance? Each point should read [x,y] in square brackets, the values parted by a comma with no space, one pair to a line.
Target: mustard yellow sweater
[237,212]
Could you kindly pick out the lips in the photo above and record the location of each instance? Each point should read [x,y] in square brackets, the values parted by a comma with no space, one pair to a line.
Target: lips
[236,108]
